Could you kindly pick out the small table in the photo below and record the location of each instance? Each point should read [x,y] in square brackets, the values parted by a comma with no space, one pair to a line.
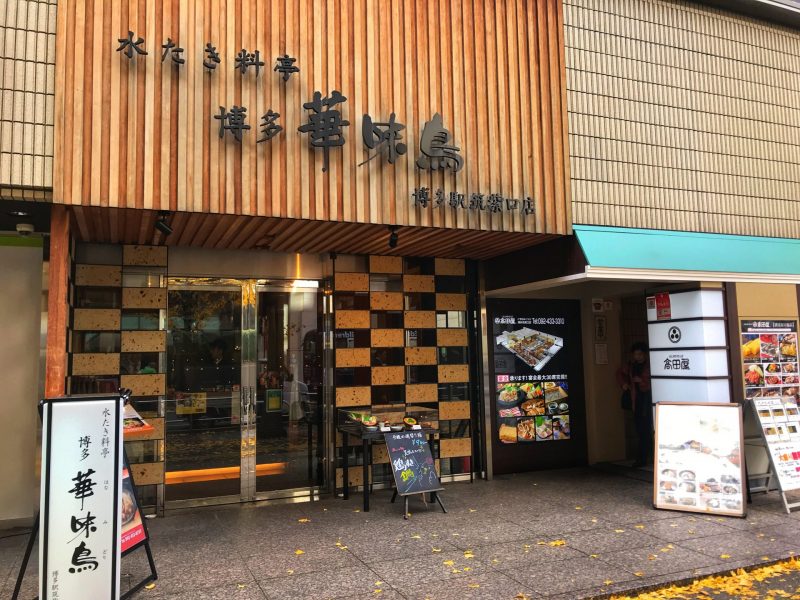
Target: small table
[367,439]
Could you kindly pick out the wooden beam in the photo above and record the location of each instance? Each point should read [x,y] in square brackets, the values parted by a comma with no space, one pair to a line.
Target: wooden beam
[58,303]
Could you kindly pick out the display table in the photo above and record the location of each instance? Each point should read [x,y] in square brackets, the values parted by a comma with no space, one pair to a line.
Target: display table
[367,439]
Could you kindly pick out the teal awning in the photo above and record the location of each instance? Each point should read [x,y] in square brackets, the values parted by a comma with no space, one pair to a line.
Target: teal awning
[619,247]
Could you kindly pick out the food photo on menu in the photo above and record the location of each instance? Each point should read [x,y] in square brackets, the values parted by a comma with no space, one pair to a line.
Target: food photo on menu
[699,462]
[533,412]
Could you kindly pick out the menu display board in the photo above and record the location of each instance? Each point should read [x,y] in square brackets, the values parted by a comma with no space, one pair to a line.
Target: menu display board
[412,463]
[699,463]
[537,382]
[769,355]
[780,423]
[133,531]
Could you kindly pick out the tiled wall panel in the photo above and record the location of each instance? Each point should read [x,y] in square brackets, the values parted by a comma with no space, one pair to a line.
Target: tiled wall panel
[682,117]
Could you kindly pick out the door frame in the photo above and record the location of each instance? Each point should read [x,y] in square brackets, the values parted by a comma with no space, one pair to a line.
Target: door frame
[249,289]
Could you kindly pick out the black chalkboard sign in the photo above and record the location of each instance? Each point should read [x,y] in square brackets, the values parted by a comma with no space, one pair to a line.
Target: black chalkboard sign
[412,463]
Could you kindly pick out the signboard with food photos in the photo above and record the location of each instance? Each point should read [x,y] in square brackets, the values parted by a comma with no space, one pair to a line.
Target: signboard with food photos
[699,461]
[537,405]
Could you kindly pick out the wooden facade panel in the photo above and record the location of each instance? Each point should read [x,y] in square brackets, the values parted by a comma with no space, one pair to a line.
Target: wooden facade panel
[419,319]
[454,410]
[451,302]
[453,373]
[387,338]
[388,375]
[149,256]
[148,298]
[352,357]
[353,396]
[143,341]
[145,385]
[385,264]
[422,392]
[421,356]
[451,448]
[352,319]
[449,266]
[419,283]
[451,337]
[95,364]
[98,275]
[95,319]
[141,133]
[386,301]
[351,282]
[148,473]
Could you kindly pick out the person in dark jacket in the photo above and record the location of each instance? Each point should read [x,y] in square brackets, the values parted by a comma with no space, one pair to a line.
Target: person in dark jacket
[634,377]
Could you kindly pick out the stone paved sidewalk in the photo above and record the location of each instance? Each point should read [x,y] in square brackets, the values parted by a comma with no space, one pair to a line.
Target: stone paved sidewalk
[563,534]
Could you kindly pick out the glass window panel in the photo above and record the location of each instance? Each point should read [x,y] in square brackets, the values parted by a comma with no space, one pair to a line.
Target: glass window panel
[351,338]
[97,297]
[149,277]
[98,254]
[91,384]
[95,341]
[422,374]
[419,266]
[456,355]
[420,337]
[140,320]
[387,357]
[386,320]
[453,391]
[386,283]
[450,284]
[139,363]
[388,394]
[352,376]
[420,301]
[351,301]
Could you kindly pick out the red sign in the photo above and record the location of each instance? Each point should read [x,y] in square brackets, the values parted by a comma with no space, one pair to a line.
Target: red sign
[133,532]
[663,307]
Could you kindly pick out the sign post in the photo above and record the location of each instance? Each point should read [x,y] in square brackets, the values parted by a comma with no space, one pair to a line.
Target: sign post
[413,467]
[79,549]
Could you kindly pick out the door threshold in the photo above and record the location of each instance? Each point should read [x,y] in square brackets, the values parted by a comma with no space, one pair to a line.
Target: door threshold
[277,497]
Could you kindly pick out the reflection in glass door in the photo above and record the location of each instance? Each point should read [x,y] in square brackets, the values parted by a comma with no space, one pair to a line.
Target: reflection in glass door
[204,401]
[288,403]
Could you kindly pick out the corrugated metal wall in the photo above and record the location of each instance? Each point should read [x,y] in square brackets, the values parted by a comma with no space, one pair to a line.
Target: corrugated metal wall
[682,117]
[27,95]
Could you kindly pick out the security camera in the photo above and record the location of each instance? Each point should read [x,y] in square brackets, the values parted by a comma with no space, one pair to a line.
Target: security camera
[25,229]
[161,224]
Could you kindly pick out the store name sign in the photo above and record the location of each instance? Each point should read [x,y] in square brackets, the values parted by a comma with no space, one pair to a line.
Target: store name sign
[325,127]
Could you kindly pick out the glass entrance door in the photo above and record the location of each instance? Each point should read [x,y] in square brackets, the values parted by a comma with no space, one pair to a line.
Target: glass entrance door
[288,404]
[244,390]
[204,406]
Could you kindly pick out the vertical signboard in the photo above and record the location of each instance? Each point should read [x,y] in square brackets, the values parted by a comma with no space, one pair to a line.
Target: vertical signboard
[688,347]
[538,414]
[79,549]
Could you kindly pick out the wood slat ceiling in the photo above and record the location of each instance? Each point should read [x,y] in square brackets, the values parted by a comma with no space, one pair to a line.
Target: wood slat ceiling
[131,226]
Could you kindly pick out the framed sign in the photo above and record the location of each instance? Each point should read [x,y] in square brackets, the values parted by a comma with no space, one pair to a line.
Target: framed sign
[79,548]
[412,463]
[699,460]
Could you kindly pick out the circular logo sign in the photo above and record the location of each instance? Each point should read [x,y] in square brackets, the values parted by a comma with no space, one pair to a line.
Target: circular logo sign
[674,335]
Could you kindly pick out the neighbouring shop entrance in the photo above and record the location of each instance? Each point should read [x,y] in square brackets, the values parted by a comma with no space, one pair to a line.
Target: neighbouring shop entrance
[244,397]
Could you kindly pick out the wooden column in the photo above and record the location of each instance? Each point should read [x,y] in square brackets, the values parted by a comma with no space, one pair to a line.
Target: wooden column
[58,303]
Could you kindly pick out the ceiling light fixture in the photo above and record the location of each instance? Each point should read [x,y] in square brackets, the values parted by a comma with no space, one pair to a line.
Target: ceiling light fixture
[393,236]
[19,213]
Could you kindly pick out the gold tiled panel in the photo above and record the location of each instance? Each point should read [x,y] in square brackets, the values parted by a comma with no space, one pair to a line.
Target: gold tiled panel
[419,319]
[144,385]
[453,373]
[147,298]
[380,455]
[156,434]
[352,319]
[351,282]
[355,476]
[388,375]
[150,256]
[420,356]
[454,410]
[353,396]
[449,266]
[419,283]
[143,341]
[95,364]
[422,392]
[387,338]
[98,275]
[385,264]
[451,337]
[148,473]
[449,448]
[386,301]
[451,302]
[352,357]
[95,319]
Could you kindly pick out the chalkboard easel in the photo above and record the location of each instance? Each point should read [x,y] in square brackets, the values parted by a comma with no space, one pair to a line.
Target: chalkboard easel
[413,467]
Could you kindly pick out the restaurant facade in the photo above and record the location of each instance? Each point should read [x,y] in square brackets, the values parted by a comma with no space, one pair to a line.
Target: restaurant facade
[265,218]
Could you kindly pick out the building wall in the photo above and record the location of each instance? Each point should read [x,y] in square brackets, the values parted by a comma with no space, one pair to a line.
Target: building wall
[682,117]
[19,355]
[27,96]
[141,133]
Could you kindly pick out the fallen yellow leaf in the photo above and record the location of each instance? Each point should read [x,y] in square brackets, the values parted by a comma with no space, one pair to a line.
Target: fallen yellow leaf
[607,582]
[639,526]
[357,510]
[651,557]
[290,571]
[241,586]
[578,508]
[724,556]
[377,591]
[619,531]
[639,574]
[473,510]
[304,520]
[468,554]
[299,552]
[467,569]
[416,536]
[448,563]
[150,586]
[436,549]
[473,586]
[557,543]
[593,555]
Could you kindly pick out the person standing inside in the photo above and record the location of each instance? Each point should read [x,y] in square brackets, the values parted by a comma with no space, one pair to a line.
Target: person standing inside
[634,378]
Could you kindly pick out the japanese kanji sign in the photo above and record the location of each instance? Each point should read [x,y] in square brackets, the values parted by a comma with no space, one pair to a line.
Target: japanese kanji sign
[79,549]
